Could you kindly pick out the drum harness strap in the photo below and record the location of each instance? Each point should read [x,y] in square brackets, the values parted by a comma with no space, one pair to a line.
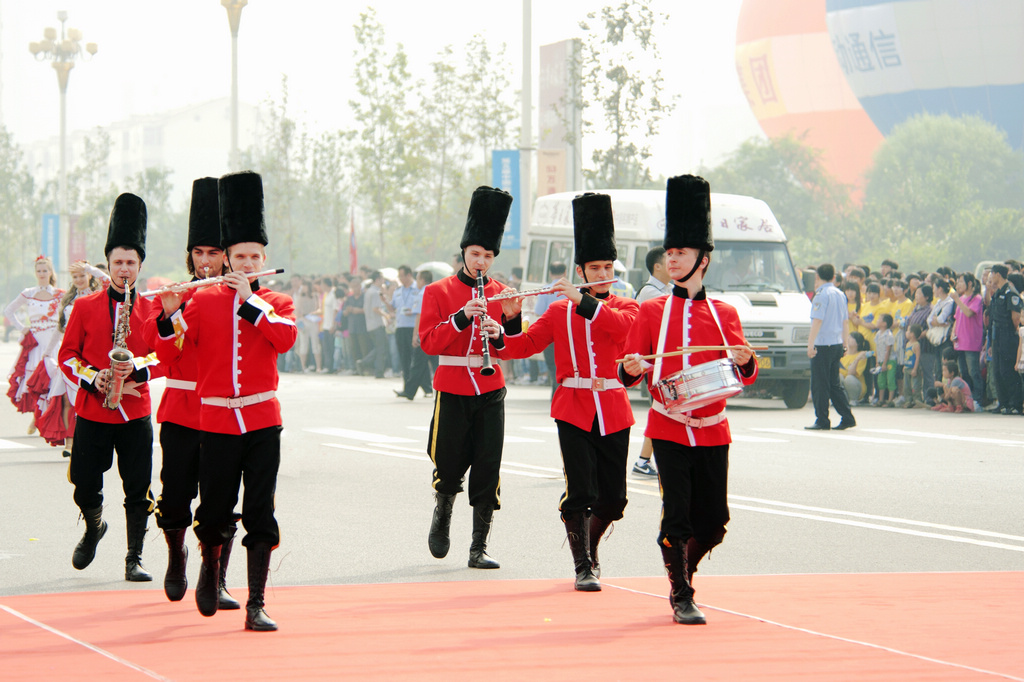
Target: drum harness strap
[685,419]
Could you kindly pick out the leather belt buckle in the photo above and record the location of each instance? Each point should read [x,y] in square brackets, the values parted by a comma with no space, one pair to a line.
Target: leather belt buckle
[235,403]
[697,422]
[597,384]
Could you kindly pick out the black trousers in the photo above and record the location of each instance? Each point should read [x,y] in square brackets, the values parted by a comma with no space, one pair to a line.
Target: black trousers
[467,433]
[92,455]
[826,386]
[327,350]
[403,339]
[1004,360]
[378,351]
[549,360]
[179,475]
[694,484]
[226,461]
[419,375]
[595,470]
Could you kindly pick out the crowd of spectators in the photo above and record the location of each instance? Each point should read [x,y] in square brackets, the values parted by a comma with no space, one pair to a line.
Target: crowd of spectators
[366,323]
[942,340]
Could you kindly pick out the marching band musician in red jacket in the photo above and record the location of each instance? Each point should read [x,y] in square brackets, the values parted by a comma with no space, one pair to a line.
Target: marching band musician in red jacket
[590,405]
[467,430]
[238,329]
[178,414]
[691,448]
[100,431]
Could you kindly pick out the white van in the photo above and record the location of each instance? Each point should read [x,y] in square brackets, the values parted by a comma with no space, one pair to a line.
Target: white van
[750,269]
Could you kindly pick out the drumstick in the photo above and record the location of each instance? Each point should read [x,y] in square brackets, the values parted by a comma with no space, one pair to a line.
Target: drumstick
[695,349]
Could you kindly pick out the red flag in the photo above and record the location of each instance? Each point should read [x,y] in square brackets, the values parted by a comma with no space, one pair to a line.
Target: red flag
[353,257]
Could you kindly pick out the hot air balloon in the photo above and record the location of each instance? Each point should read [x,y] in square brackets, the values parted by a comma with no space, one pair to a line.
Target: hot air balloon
[794,84]
[933,56]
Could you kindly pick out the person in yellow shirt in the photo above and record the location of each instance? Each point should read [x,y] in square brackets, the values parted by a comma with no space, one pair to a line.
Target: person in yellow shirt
[853,366]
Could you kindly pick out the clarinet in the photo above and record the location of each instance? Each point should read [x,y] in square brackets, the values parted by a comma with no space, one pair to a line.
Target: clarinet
[487,369]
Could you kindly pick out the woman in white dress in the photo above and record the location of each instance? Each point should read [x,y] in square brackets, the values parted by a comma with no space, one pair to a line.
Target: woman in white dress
[55,404]
[42,303]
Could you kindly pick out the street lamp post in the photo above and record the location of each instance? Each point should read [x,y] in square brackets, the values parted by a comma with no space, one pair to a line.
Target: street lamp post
[234,8]
[62,53]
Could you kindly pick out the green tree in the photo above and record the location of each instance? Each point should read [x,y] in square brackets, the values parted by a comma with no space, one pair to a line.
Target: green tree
[325,195]
[382,166]
[19,216]
[812,207]
[944,191]
[630,99]
[166,225]
[274,157]
[491,109]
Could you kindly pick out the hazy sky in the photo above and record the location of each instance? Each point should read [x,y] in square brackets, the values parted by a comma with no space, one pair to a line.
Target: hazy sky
[157,55]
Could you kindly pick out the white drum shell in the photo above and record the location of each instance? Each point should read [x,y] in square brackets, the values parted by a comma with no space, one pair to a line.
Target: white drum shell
[700,385]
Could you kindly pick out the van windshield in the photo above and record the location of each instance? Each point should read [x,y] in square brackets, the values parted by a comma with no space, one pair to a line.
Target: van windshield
[751,266]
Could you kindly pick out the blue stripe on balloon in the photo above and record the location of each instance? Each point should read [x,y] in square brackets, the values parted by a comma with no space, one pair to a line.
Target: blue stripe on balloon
[839,5]
[998,104]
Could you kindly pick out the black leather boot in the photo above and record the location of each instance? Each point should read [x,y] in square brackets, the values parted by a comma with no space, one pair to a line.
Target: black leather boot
[225,602]
[259,567]
[206,587]
[478,547]
[136,528]
[438,540]
[684,611]
[597,528]
[695,551]
[95,528]
[577,530]
[175,580]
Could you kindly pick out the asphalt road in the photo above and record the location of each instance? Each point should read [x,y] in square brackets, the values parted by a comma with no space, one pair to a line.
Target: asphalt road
[907,490]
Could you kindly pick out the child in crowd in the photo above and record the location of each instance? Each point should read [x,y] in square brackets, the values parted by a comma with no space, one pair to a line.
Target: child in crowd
[955,393]
[852,367]
[886,368]
[912,375]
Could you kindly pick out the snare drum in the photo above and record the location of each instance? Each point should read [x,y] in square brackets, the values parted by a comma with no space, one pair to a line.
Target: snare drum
[701,385]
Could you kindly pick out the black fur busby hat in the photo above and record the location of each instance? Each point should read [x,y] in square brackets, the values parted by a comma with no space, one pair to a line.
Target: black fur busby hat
[240,205]
[127,227]
[203,215]
[485,224]
[688,214]
[593,228]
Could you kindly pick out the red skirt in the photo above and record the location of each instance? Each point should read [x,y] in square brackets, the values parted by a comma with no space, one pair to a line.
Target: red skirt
[50,420]
[26,403]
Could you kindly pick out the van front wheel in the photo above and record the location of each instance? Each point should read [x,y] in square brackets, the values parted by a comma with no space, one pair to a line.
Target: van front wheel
[795,393]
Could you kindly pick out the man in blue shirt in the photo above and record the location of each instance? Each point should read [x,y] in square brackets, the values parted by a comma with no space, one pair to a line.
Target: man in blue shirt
[556,271]
[403,300]
[830,326]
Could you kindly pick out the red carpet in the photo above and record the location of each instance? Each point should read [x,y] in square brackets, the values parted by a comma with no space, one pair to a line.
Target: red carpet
[961,626]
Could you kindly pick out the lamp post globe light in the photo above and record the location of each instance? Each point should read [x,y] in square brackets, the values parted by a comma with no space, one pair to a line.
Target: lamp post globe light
[61,53]
[234,8]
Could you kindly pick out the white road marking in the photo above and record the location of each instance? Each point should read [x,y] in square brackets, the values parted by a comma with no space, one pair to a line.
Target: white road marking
[12,445]
[424,458]
[875,526]
[834,436]
[359,435]
[945,436]
[87,645]
[890,519]
[738,438]
[870,645]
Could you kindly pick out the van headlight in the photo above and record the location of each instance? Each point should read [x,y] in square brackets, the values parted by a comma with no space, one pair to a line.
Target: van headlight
[801,334]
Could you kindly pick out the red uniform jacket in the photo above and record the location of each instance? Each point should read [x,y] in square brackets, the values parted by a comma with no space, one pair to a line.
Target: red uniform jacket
[85,351]
[599,329]
[690,324]
[445,330]
[237,345]
[178,405]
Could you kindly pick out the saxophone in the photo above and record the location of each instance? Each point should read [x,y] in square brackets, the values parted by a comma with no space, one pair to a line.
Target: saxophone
[119,355]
